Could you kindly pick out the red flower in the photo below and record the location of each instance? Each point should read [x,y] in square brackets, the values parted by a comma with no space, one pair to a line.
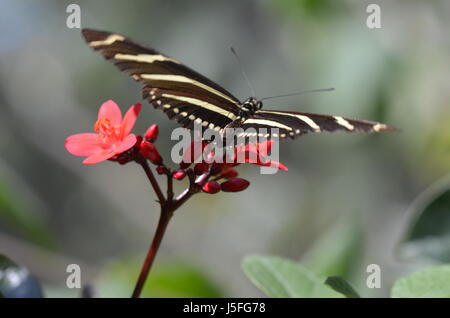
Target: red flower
[112,138]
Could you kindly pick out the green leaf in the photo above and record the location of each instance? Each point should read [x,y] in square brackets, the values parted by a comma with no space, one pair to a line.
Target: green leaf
[278,277]
[429,235]
[16,281]
[167,279]
[433,282]
[342,286]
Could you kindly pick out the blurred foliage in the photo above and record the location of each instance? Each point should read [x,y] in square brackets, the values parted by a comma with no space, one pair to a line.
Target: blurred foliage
[20,218]
[337,251]
[342,286]
[16,281]
[437,147]
[433,282]
[429,234]
[312,9]
[174,279]
[278,277]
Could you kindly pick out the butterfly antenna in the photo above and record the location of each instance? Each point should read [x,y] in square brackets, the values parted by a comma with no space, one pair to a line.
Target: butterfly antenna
[242,71]
[301,92]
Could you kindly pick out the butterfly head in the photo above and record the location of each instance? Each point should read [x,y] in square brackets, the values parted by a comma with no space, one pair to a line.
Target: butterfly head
[251,105]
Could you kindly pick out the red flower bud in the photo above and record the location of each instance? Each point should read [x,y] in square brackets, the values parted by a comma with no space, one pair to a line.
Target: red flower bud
[235,185]
[152,133]
[149,151]
[161,170]
[201,168]
[179,174]
[229,173]
[217,168]
[139,139]
[211,187]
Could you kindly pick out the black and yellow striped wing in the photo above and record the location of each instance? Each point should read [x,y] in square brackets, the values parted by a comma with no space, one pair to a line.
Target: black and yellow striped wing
[182,93]
[294,124]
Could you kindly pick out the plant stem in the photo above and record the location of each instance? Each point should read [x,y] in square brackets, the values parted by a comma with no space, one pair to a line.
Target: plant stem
[164,219]
[168,206]
[143,162]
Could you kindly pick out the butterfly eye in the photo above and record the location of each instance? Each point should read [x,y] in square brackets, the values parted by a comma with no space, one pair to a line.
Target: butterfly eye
[247,105]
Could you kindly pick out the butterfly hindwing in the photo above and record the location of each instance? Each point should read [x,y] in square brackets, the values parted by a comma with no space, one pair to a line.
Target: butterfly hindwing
[182,93]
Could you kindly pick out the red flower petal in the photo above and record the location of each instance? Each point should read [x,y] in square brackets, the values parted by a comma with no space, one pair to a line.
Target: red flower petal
[152,133]
[270,163]
[84,144]
[125,144]
[250,156]
[130,119]
[235,185]
[275,164]
[211,187]
[264,147]
[111,111]
[99,157]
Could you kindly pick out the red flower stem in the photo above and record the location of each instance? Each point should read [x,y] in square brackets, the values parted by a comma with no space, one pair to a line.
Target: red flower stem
[194,187]
[169,186]
[168,207]
[143,162]
[157,238]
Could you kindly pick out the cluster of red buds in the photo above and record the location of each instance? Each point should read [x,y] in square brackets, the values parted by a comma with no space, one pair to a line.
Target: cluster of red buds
[210,175]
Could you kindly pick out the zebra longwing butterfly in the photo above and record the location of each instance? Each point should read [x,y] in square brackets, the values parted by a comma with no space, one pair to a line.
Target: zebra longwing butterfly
[187,96]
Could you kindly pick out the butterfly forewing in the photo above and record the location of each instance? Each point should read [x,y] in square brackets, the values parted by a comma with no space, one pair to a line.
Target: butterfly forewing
[293,124]
[182,93]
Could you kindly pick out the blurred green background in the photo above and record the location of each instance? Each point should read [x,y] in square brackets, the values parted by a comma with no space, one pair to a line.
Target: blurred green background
[343,204]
